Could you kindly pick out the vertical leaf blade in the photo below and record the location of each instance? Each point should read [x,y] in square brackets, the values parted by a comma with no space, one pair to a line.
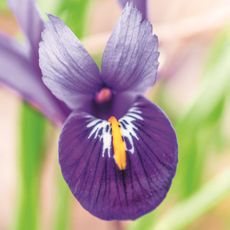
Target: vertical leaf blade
[31,154]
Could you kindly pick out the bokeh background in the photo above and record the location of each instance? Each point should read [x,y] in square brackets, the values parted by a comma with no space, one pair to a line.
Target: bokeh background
[193,87]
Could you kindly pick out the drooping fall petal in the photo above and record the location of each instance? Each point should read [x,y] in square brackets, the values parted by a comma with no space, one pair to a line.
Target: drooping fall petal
[89,161]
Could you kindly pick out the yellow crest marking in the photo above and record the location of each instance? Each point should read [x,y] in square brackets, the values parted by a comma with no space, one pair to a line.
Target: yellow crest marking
[119,146]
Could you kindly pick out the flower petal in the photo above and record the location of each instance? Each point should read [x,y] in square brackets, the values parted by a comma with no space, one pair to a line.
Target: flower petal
[30,21]
[130,60]
[140,4]
[17,73]
[68,70]
[86,155]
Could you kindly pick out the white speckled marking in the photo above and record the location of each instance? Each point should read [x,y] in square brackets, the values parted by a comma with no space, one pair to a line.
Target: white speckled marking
[128,128]
[101,129]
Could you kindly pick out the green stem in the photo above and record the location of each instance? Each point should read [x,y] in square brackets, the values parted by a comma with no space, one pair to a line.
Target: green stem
[144,223]
[62,220]
[32,138]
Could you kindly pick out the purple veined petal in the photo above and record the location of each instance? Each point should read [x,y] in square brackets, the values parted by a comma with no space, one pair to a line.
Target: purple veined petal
[140,4]
[130,59]
[68,70]
[30,22]
[18,74]
[86,156]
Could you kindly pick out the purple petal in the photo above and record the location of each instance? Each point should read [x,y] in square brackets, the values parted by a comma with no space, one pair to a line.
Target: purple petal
[68,70]
[130,60]
[86,157]
[30,21]
[140,4]
[17,73]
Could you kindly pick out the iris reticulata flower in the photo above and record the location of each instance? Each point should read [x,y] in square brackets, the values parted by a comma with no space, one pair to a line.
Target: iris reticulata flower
[117,150]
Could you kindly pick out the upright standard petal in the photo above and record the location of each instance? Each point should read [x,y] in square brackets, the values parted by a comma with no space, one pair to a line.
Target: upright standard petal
[68,70]
[17,73]
[30,21]
[119,169]
[130,60]
[140,4]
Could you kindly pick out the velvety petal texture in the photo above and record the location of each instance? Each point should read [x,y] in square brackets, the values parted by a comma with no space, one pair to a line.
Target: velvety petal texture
[30,21]
[68,70]
[140,4]
[86,155]
[130,60]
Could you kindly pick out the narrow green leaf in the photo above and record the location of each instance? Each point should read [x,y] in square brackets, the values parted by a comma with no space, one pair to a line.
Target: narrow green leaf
[62,206]
[74,13]
[201,202]
[31,154]
[144,223]
[202,116]
[3,5]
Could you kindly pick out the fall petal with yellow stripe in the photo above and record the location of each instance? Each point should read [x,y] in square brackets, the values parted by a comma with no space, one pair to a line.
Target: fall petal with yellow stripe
[108,185]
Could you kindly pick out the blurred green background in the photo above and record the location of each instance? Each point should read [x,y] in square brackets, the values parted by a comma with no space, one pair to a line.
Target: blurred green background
[193,88]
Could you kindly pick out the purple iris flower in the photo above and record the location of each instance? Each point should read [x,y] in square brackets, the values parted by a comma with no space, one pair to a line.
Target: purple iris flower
[25,76]
[117,150]
[19,68]
[140,4]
